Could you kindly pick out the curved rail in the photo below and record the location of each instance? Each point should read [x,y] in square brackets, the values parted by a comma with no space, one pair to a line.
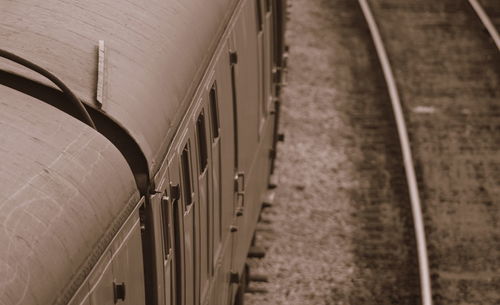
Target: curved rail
[486,21]
[425,282]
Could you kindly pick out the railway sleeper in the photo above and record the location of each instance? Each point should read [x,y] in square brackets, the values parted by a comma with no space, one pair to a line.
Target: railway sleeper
[256,290]
[260,278]
[256,252]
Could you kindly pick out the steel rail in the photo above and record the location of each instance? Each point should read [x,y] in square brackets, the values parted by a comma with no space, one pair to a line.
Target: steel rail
[425,281]
[486,21]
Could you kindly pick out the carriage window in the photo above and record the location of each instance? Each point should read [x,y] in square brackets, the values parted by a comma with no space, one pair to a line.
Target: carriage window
[166,226]
[202,142]
[214,111]
[186,176]
[259,16]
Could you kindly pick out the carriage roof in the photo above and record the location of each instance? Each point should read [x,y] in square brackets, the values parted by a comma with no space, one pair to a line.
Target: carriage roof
[64,192]
[153,52]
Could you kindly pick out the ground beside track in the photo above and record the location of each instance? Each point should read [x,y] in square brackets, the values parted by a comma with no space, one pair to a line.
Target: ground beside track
[340,231]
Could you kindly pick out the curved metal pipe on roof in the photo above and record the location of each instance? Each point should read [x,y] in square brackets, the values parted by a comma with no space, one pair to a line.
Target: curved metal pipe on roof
[105,125]
[67,92]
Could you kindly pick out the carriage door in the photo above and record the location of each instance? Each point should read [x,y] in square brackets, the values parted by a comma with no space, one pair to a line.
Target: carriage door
[265,47]
[170,264]
[184,211]
[172,229]
[246,88]
[267,10]
[176,206]
[204,174]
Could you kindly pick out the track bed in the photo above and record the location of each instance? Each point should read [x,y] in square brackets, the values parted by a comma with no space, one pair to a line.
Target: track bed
[342,230]
[492,8]
[448,74]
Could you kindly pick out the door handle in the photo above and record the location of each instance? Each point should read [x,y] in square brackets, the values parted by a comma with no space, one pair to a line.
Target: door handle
[240,182]
[240,203]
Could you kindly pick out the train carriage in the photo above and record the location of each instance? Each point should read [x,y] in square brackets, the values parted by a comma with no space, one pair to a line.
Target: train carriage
[137,141]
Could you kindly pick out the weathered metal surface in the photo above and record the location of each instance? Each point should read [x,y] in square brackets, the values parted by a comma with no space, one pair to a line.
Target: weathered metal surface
[64,191]
[155,54]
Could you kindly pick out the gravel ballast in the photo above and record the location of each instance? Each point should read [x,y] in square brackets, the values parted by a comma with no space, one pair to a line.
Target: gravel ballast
[339,232]
[336,178]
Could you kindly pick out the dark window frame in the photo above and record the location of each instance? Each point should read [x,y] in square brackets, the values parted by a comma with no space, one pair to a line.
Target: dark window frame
[214,112]
[187,185]
[260,23]
[201,133]
[165,216]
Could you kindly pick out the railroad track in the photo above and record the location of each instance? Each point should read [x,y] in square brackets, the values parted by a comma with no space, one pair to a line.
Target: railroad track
[459,281]
[445,65]
[381,239]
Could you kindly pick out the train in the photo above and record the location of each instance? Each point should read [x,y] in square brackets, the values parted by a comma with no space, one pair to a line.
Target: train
[138,139]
